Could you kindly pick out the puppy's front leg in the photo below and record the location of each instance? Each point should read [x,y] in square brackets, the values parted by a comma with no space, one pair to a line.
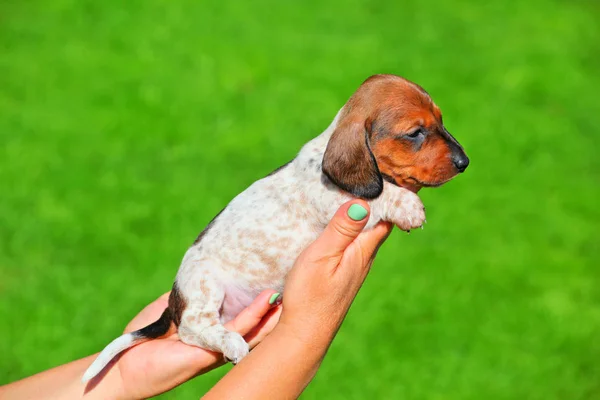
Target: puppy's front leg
[399,206]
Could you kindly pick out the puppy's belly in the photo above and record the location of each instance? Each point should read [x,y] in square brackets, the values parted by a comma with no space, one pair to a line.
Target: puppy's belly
[240,293]
[236,299]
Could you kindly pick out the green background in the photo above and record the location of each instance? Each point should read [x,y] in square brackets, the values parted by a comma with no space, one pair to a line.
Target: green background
[126,126]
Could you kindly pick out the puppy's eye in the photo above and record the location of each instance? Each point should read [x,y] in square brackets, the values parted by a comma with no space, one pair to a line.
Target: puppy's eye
[417,133]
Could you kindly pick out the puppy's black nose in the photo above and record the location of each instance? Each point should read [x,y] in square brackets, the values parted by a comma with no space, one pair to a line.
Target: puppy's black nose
[461,162]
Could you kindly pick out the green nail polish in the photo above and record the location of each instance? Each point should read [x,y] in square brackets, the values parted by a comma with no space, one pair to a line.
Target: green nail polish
[274,297]
[357,212]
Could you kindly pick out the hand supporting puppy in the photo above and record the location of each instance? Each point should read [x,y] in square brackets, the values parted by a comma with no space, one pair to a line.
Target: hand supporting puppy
[319,290]
[327,276]
[318,293]
[159,365]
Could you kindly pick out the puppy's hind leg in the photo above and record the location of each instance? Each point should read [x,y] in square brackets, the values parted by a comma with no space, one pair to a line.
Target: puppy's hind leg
[200,326]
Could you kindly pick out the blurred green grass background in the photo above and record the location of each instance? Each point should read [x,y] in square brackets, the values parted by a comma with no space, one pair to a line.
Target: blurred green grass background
[125,127]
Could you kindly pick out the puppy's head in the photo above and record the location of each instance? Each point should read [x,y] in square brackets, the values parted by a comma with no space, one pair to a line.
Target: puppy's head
[391,129]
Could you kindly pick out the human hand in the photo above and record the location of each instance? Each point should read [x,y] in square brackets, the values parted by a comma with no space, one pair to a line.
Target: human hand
[327,276]
[159,365]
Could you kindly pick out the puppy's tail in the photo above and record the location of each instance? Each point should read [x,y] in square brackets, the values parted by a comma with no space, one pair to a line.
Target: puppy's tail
[159,328]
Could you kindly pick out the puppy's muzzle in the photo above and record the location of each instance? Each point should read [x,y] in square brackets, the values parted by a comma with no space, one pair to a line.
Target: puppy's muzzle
[457,154]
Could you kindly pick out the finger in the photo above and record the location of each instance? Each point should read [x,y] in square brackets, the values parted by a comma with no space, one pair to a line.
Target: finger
[266,325]
[253,314]
[371,240]
[345,226]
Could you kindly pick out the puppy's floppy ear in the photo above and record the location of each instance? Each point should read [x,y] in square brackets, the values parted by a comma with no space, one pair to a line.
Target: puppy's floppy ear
[349,163]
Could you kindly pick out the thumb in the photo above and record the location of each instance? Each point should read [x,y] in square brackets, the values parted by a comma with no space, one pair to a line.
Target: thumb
[346,224]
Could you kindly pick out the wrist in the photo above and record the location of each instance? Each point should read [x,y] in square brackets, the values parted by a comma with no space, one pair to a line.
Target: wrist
[310,333]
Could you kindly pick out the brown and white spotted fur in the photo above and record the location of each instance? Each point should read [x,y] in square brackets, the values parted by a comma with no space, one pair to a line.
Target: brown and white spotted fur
[386,143]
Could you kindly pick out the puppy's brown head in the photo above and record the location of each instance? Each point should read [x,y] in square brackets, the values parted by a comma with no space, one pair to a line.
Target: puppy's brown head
[391,129]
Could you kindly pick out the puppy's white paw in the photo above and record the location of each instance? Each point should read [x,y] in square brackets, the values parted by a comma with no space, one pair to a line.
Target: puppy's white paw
[235,348]
[408,212]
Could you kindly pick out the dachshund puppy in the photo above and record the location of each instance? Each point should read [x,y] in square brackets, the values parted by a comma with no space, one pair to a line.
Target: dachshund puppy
[386,143]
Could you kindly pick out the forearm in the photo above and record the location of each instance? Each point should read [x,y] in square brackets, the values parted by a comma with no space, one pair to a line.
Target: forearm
[63,382]
[279,368]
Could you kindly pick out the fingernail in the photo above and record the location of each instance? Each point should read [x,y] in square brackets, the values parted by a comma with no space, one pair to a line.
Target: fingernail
[274,297]
[357,212]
